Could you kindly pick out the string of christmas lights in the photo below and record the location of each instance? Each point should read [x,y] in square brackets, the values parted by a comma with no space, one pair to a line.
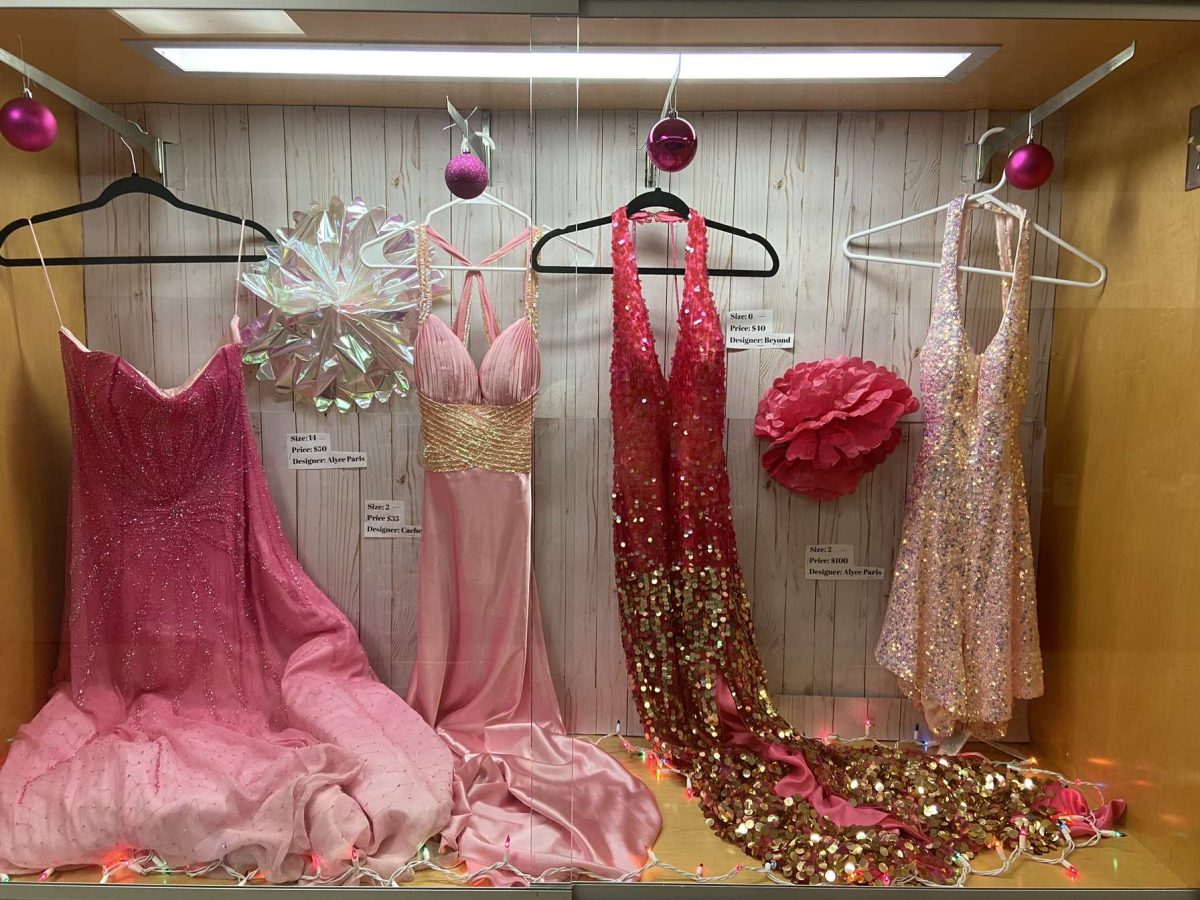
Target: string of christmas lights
[146,863]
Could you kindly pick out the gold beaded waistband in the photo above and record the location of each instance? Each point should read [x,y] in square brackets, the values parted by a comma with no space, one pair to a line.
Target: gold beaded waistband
[461,436]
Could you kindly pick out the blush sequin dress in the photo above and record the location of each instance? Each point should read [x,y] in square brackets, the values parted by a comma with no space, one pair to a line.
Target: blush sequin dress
[817,812]
[212,704]
[961,631]
[524,790]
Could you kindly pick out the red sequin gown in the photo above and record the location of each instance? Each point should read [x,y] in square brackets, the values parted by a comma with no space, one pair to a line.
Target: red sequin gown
[817,812]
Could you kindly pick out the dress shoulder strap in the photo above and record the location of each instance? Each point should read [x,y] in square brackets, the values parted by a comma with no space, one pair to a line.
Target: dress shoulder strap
[1016,261]
[46,273]
[953,239]
[531,285]
[424,275]
[234,330]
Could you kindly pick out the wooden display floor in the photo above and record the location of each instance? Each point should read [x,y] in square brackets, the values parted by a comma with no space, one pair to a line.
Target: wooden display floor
[687,842]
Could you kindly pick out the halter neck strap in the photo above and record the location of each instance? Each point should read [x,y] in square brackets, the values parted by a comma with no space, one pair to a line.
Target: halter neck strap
[958,218]
[474,276]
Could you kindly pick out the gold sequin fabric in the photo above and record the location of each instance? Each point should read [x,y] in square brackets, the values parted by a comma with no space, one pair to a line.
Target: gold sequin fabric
[688,636]
[461,436]
[960,631]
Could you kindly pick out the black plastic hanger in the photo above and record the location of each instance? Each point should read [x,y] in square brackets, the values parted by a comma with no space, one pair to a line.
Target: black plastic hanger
[131,184]
[644,201]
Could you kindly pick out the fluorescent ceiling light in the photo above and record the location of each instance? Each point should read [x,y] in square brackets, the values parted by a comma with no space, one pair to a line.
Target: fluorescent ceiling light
[210,21]
[493,63]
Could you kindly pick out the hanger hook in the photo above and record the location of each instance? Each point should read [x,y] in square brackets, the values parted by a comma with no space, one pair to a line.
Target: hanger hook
[132,157]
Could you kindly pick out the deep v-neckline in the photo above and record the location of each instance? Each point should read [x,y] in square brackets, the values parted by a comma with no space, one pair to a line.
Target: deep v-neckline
[692,263]
[1020,264]
[172,393]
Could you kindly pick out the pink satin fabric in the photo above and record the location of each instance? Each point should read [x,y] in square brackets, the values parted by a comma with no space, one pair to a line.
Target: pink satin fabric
[1061,800]
[482,677]
[801,782]
[1083,821]
[212,703]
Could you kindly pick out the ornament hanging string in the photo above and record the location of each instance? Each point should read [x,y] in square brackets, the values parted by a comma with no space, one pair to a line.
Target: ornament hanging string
[25,74]
[669,107]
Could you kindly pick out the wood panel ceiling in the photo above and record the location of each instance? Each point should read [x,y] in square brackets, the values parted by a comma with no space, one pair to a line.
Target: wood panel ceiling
[88,49]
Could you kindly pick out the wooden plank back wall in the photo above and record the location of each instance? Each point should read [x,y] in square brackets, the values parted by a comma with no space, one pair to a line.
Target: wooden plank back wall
[802,179]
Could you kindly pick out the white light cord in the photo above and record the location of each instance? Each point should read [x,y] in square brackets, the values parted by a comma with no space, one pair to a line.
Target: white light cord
[147,863]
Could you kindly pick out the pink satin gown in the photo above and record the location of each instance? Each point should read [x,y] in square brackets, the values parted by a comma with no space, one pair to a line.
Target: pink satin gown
[481,675]
[211,702]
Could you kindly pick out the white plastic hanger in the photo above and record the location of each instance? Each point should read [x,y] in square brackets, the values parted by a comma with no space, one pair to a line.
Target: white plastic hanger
[989,195]
[372,256]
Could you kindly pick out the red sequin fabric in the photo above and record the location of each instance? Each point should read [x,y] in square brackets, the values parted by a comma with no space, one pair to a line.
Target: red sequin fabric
[816,812]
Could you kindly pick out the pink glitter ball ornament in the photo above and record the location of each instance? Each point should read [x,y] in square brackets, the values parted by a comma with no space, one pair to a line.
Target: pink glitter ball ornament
[671,143]
[28,124]
[466,176]
[1029,167]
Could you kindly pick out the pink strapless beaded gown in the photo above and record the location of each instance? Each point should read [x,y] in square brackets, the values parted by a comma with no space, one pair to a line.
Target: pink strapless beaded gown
[212,703]
[481,675]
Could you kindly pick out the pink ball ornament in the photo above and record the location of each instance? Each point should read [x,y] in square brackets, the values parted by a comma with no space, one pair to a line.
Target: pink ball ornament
[1029,167]
[28,124]
[671,144]
[466,176]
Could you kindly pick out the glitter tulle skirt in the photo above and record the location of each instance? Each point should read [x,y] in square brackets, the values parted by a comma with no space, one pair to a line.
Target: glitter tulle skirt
[212,704]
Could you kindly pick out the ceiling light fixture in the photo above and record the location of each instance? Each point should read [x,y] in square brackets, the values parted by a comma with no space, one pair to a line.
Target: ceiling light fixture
[588,64]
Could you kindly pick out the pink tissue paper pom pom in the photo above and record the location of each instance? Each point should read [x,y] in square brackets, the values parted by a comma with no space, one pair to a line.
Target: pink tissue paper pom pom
[831,422]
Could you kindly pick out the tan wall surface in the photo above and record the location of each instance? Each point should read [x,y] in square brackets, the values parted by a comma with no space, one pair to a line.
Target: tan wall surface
[1120,555]
[34,433]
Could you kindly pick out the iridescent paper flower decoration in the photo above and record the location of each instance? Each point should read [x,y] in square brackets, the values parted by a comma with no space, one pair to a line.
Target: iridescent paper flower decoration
[830,423]
[338,334]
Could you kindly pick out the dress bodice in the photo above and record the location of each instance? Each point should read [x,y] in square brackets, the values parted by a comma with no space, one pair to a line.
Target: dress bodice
[967,395]
[444,370]
[130,426]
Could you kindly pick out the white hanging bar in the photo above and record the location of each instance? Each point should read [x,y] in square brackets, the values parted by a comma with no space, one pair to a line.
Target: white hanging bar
[128,131]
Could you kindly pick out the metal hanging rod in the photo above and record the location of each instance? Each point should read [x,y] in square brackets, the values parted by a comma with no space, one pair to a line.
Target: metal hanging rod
[989,146]
[156,147]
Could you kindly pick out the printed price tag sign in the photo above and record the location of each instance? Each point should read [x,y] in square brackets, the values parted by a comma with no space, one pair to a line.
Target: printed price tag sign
[835,562]
[772,341]
[305,450]
[313,451]
[387,519]
[749,329]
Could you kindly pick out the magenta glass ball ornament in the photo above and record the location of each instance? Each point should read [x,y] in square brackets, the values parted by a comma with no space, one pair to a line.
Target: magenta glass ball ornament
[671,144]
[28,124]
[466,176]
[1029,167]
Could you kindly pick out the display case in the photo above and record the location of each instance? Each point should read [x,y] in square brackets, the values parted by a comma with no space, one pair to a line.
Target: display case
[593,448]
